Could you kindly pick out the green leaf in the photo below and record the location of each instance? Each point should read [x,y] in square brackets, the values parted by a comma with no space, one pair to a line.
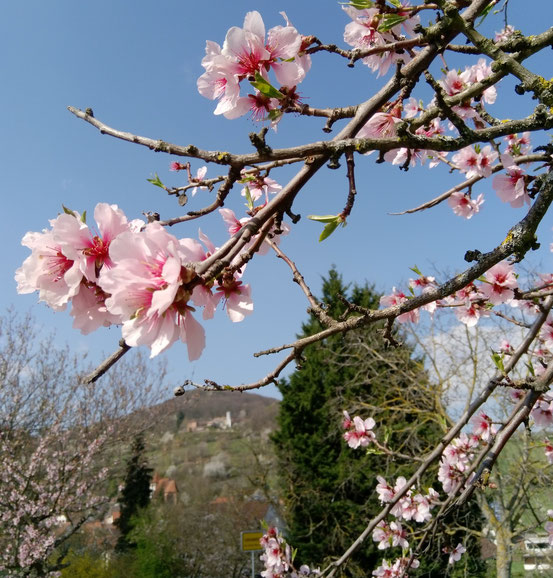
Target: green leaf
[486,11]
[69,211]
[416,270]
[498,361]
[395,3]
[157,182]
[530,367]
[83,217]
[359,4]
[323,218]
[249,200]
[374,451]
[389,21]
[266,87]
[274,114]
[328,230]
[332,222]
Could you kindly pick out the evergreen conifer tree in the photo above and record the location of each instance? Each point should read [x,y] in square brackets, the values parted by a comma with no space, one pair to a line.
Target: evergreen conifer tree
[135,494]
[329,489]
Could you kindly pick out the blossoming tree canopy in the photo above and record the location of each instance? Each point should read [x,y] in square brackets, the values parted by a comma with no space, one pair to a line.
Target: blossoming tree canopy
[425,112]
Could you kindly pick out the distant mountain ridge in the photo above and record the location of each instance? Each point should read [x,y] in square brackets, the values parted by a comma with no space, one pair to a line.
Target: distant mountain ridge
[256,411]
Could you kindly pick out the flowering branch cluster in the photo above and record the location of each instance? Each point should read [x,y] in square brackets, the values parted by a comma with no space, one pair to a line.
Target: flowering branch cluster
[278,557]
[44,494]
[151,283]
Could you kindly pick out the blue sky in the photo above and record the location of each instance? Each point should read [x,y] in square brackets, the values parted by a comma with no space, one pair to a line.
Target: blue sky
[136,64]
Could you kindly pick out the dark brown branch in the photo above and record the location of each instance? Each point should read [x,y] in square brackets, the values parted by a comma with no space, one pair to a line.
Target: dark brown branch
[352,189]
[107,363]
[540,120]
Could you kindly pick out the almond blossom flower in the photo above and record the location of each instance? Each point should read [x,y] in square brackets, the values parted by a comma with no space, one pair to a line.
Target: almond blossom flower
[380,125]
[89,248]
[500,283]
[385,492]
[397,298]
[88,308]
[363,33]
[148,291]
[475,163]
[502,35]
[360,433]
[548,451]
[48,271]
[237,297]
[463,205]
[546,334]
[543,411]
[175,166]
[456,553]
[511,187]
[234,225]
[398,569]
[516,145]
[390,535]
[506,348]
[466,161]
[483,427]
[244,54]
[198,178]
[259,187]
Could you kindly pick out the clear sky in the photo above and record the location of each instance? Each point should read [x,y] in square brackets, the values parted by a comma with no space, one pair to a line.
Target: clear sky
[135,63]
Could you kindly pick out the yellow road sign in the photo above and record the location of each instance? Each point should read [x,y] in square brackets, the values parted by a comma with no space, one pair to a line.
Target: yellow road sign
[250,541]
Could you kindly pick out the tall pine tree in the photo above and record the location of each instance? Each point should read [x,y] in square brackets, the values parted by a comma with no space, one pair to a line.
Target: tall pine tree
[329,489]
[135,494]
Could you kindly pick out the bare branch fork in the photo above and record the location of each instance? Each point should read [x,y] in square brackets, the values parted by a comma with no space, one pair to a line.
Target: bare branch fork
[517,242]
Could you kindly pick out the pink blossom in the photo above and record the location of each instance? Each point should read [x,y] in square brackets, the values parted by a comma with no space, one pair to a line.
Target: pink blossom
[543,412]
[259,187]
[422,282]
[483,427]
[360,433]
[546,334]
[463,205]
[234,225]
[390,535]
[456,553]
[548,451]
[198,178]
[385,492]
[48,270]
[88,308]
[500,283]
[502,35]
[148,292]
[511,187]
[175,166]
[87,247]
[474,163]
[506,348]
[517,146]
[380,125]
[244,54]
[237,297]
[398,298]
[363,33]
[470,313]
[412,107]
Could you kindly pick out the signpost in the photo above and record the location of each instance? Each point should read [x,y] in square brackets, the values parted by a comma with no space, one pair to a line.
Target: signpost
[250,543]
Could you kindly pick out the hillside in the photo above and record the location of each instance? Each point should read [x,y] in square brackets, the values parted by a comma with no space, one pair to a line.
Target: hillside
[214,445]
